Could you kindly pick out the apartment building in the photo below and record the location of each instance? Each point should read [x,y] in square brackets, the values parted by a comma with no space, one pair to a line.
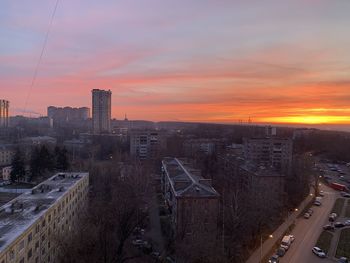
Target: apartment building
[101,111]
[205,146]
[192,201]
[271,152]
[7,153]
[31,223]
[146,144]
[4,113]
[68,114]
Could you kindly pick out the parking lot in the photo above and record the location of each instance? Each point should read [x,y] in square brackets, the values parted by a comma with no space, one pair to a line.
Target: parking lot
[309,232]
[335,173]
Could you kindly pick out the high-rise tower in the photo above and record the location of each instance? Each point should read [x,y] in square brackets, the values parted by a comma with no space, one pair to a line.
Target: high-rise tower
[4,113]
[101,111]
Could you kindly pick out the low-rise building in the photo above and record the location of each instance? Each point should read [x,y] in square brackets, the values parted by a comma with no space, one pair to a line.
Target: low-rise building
[6,173]
[38,140]
[7,153]
[192,201]
[31,223]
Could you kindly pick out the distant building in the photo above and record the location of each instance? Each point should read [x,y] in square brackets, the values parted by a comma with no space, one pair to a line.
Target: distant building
[192,201]
[302,132]
[254,180]
[206,146]
[4,113]
[270,152]
[101,111]
[68,114]
[6,173]
[262,179]
[147,144]
[39,140]
[32,223]
[7,152]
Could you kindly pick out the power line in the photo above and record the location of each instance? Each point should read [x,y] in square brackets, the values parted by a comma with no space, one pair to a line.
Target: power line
[40,57]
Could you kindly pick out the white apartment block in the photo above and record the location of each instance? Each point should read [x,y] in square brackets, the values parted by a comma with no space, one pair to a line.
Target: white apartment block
[31,223]
[6,155]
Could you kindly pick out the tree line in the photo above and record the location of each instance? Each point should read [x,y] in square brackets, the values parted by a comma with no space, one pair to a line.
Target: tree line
[42,161]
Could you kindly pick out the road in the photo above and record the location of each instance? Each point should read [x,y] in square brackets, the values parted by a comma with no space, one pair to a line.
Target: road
[307,231]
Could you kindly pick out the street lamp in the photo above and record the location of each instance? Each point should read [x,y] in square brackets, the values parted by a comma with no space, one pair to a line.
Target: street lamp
[261,246]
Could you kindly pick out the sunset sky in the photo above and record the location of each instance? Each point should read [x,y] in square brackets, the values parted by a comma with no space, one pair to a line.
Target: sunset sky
[194,60]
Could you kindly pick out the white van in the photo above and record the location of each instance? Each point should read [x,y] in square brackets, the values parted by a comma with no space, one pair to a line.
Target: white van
[318,199]
[286,242]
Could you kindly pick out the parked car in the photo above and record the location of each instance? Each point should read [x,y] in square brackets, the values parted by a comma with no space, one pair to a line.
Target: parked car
[332,217]
[286,242]
[347,223]
[307,215]
[292,238]
[170,260]
[310,211]
[280,252]
[339,224]
[318,252]
[138,242]
[155,254]
[343,260]
[328,227]
[317,203]
[274,259]
[321,193]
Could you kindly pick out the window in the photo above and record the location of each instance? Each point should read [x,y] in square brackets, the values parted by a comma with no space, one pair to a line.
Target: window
[43,251]
[49,218]
[29,255]
[37,245]
[21,245]
[37,228]
[43,223]
[22,260]
[37,260]
[30,237]
[42,238]
[12,255]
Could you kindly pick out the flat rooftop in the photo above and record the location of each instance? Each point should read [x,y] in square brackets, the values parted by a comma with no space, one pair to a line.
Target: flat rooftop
[261,171]
[20,213]
[186,181]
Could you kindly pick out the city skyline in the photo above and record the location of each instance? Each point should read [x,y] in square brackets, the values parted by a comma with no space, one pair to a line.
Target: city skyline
[273,62]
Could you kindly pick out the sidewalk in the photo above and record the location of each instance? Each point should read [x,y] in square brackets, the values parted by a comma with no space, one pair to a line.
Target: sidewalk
[277,235]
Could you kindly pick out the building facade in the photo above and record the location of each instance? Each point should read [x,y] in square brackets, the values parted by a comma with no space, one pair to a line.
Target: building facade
[147,144]
[271,152]
[192,201]
[31,223]
[68,114]
[6,173]
[7,153]
[101,111]
[4,113]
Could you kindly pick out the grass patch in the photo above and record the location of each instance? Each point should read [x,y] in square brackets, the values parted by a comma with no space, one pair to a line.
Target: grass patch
[343,249]
[324,241]
[338,206]
[347,210]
